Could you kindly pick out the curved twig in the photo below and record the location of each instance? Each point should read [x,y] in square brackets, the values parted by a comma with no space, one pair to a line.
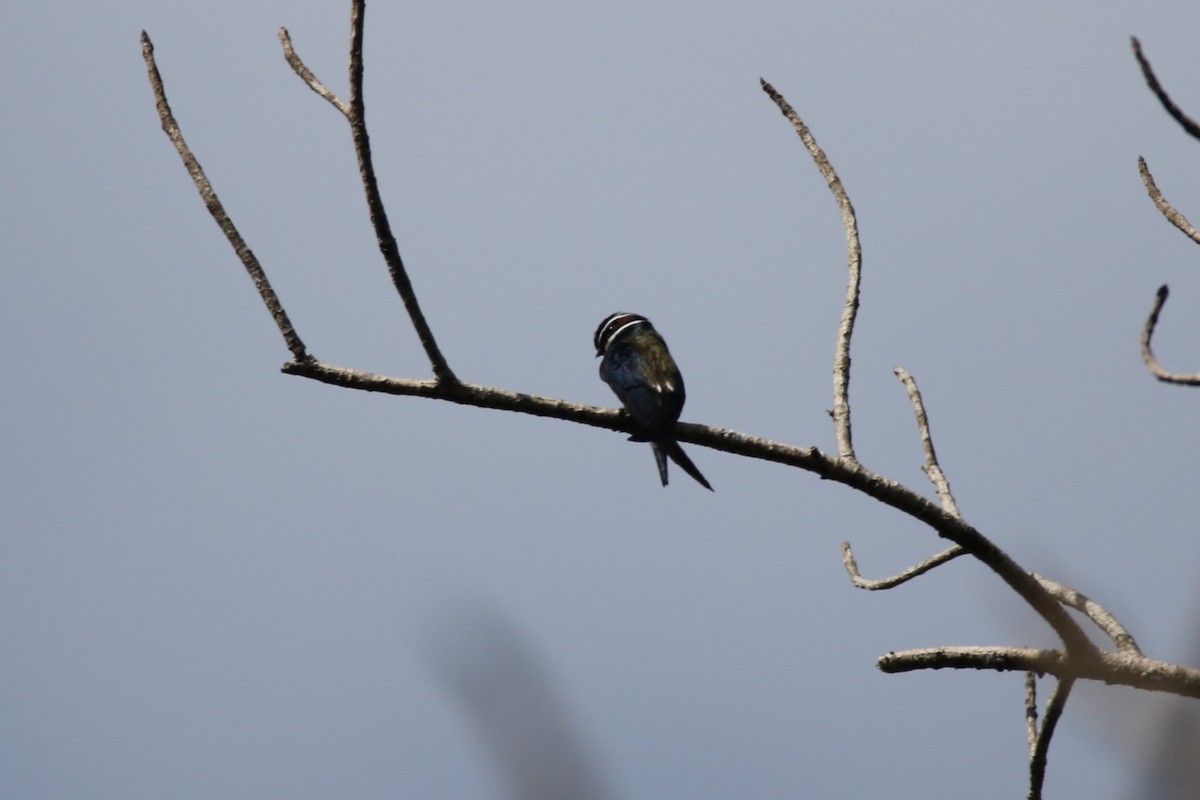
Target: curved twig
[1189,124]
[1037,761]
[901,577]
[841,359]
[214,206]
[1152,364]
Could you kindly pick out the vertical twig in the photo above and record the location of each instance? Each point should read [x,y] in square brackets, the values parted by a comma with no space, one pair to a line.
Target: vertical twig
[1054,709]
[355,113]
[841,359]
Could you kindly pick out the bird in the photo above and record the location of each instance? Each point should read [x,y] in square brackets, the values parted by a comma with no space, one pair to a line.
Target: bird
[639,369]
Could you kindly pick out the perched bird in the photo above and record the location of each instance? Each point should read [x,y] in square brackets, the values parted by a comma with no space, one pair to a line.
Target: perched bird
[639,369]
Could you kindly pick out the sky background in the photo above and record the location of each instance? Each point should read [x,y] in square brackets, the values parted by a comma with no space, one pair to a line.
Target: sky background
[217,580]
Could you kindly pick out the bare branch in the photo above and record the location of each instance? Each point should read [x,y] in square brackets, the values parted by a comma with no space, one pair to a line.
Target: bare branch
[1156,369]
[841,359]
[903,577]
[1174,217]
[1175,111]
[1118,668]
[471,394]
[931,466]
[1104,620]
[356,115]
[307,75]
[1054,709]
[213,203]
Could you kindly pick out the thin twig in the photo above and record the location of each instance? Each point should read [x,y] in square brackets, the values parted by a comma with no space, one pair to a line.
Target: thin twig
[213,204]
[355,113]
[1054,709]
[841,359]
[1103,619]
[931,467]
[902,577]
[1174,217]
[1152,364]
[1189,124]
[307,75]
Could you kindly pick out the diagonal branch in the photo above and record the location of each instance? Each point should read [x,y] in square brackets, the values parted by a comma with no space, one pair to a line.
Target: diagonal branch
[1189,124]
[1099,615]
[355,113]
[1174,217]
[213,204]
[841,359]
[306,74]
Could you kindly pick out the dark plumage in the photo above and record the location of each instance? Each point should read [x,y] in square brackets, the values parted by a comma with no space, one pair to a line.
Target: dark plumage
[639,369]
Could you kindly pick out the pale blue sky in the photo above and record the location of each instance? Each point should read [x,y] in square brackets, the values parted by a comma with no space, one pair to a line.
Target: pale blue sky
[221,581]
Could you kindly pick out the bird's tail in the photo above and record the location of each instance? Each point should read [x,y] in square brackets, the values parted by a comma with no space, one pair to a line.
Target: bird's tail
[671,448]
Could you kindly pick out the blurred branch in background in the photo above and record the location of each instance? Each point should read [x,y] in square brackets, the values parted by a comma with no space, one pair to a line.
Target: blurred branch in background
[509,696]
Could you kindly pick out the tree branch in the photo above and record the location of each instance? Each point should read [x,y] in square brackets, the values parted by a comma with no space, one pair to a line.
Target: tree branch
[931,467]
[293,59]
[213,204]
[1120,668]
[1103,620]
[841,359]
[1174,217]
[355,113]
[1079,658]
